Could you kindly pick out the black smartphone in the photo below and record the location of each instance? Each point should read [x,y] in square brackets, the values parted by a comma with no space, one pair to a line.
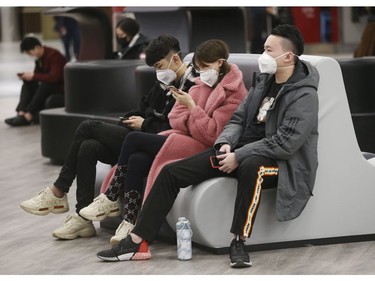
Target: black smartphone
[214,161]
[19,74]
[172,88]
[123,118]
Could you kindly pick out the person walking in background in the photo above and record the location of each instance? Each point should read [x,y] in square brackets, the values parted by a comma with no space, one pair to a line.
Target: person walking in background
[68,30]
[132,43]
[46,79]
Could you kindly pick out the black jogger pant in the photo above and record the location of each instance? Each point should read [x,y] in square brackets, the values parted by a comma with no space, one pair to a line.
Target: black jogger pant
[254,174]
[93,141]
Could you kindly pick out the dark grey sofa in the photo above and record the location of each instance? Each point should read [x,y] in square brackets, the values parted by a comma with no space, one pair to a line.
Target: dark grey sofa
[103,90]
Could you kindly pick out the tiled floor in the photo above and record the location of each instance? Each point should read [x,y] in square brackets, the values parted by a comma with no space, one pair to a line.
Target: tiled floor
[27,246]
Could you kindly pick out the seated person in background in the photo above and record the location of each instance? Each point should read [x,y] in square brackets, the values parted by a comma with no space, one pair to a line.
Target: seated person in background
[99,141]
[132,42]
[270,142]
[196,119]
[46,79]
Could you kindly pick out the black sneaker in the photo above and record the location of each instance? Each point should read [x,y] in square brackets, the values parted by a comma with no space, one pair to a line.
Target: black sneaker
[126,250]
[238,255]
[17,121]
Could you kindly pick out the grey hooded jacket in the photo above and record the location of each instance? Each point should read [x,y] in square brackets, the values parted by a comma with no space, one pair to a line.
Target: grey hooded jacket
[291,135]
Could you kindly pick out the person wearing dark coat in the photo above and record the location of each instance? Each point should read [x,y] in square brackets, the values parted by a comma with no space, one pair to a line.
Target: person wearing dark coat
[131,42]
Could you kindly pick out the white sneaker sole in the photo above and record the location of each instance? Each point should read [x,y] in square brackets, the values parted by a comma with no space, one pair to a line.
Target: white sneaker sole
[58,209]
[102,216]
[240,264]
[128,256]
[82,233]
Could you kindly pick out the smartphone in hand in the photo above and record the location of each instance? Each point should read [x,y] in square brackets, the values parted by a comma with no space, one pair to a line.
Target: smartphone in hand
[123,118]
[214,161]
[171,89]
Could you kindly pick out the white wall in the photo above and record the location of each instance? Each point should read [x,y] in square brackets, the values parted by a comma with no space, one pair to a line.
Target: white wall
[351,32]
[8,24]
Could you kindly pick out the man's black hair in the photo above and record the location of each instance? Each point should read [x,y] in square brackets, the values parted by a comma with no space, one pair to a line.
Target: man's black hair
[29,43]
[129,26]
[291,33]
[160,47]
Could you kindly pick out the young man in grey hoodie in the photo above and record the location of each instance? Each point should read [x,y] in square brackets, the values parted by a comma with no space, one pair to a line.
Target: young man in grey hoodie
[270,142]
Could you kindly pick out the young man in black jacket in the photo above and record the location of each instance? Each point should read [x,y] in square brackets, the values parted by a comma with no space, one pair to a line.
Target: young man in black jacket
[99,141]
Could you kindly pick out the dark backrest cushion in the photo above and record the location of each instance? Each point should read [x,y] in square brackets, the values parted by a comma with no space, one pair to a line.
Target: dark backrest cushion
[145,77]
[101,87]
[359,75]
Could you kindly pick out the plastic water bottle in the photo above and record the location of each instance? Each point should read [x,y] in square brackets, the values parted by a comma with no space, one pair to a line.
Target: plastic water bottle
[184,234]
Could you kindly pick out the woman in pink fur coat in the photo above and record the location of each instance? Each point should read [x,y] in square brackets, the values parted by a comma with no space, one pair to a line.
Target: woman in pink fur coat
[196,119]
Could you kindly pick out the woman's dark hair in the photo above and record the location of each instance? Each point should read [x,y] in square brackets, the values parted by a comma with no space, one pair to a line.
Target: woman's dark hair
[29,43]
[129,26]
[160,47]
[211,51]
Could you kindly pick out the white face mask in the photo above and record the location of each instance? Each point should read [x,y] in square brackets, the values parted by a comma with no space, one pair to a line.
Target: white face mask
[167,76]
[268,64]
[209,77]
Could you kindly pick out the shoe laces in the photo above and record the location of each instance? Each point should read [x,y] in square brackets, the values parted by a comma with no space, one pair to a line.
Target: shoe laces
[239,246]
[68,220]
[98,202]
[40,197]
[127,244]
[71,220]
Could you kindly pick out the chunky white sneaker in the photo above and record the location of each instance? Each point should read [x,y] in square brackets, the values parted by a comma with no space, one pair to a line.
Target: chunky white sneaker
[122,231]
[101,208]
[46,202]
[73,227]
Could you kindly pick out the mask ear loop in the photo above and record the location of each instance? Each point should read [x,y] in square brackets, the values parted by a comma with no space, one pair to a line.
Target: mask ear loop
[288,66]
[170,61]
[182,64]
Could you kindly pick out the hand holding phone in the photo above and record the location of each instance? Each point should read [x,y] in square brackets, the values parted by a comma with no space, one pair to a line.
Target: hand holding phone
[214,160]
[171,89]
